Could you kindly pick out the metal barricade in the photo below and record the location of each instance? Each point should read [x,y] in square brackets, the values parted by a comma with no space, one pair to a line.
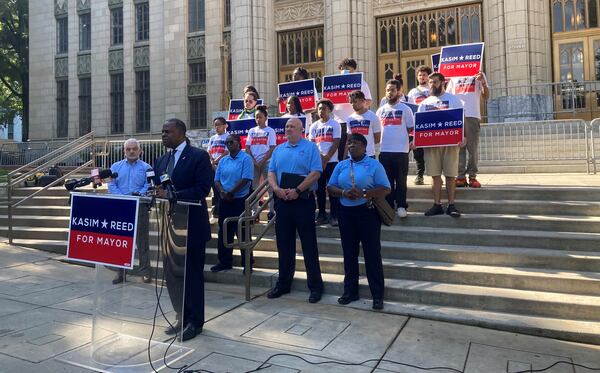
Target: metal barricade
[594,135]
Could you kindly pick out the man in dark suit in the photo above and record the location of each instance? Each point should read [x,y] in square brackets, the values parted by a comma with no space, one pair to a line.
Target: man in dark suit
[190,171]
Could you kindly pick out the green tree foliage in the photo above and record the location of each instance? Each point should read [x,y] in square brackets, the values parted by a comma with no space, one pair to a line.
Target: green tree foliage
[14,62]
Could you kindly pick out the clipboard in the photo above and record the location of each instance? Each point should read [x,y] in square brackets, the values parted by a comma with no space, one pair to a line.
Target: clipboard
[291,181]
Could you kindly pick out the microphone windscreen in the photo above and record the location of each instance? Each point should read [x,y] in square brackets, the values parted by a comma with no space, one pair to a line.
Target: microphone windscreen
[105,174]
[150,173]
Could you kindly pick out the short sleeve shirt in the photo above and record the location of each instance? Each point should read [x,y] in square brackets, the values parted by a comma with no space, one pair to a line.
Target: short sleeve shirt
[418,95]
[367,173]
[468,90]
[216,145]
[343,111]
[396,120]
[300,159]
[445,101]
[260,140]
[367,124]
[324,134]
[231,170]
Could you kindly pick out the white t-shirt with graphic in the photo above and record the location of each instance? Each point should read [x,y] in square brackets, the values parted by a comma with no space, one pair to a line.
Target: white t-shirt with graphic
[216,145]
[260,139]
[343,111]
[468,90]
[395,122]
[323,134]
[367,124]
[418,94]
[445,101]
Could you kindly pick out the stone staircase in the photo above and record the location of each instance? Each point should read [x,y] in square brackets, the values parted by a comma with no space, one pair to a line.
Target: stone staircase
[522,258]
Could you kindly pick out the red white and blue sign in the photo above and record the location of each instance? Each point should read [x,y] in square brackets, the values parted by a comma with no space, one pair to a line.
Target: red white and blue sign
[305,90]
[438,128]
[435,62]
[338,87]
[278,124]
[241,127]
[102,229]
[237,106]
[461,60]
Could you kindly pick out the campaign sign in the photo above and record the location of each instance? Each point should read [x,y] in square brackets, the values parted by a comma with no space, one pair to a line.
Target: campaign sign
[435,62]
[338,87]
[102,229]
[461,60]
[303,89]
[237,106]
[412,107]
[241,127]
[278,124]
[438,128]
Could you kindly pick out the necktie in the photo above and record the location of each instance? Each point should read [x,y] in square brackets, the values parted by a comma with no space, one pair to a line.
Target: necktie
[171,164]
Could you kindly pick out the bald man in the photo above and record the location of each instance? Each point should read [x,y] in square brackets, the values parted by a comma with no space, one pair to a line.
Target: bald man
[294,171]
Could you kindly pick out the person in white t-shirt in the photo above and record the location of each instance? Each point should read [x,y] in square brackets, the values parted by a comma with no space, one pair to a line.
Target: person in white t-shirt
[415,97]
[363,121]
[294,109]
[396,121]
[300,73]
[470,90]
[326,132]
[342,111]
[401,96]
[250,102]
[217,150]
[260,144]
[441,159]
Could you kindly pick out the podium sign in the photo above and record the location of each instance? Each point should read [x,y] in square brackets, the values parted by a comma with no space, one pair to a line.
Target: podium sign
[102,229]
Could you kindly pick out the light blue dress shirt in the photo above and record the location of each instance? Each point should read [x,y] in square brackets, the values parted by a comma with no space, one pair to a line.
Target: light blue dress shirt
[368,174]
[231,170]
[300,159]
[131,178]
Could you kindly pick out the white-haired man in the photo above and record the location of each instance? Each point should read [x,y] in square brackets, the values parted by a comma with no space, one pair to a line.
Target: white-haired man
[132,181]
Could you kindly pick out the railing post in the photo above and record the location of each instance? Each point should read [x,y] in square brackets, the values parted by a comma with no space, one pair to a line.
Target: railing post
[9,207]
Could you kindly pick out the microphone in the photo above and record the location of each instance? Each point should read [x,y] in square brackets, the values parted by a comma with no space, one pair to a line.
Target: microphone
[167,184]
[150,177]
[101,175]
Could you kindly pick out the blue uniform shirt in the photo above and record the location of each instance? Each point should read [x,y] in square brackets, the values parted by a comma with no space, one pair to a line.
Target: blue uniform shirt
[131,178]
[231,170]
[301,159]
[368,174]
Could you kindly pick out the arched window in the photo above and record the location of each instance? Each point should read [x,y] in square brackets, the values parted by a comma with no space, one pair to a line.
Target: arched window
[557,16]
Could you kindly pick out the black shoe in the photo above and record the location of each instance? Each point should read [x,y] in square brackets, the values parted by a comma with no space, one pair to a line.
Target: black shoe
[270,215]
[173,329]
[315,296]
[321,219]
[377,304]
[119,279]
[147,279]
[276,292]
[219,267]
[452,211]
[347,298]
[419,180]
[189,332]
[435,210]
[244,271]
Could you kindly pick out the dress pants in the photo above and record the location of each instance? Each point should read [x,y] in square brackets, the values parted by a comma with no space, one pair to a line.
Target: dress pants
[229,209]
[322,192]
[361,225]
[292,216]
[396,168]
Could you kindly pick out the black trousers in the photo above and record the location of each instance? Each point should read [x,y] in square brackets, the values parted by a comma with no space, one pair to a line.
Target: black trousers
[361,225]
[419,155]
[343,140]
[322,192]
[229,209]
[216,197]
[396,168]
[297,216]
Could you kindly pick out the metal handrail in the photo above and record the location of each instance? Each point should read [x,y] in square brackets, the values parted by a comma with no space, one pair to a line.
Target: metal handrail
[245,221]
[592,152]
[51,158]
[85,137]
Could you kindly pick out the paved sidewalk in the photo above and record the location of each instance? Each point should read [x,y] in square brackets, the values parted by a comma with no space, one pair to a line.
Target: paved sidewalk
[46,313]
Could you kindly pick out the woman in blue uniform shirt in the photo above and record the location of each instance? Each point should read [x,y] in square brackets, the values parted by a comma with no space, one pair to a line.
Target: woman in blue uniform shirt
[356,181]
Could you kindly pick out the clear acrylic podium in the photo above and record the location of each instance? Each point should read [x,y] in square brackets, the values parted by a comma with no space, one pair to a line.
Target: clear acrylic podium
[128,327]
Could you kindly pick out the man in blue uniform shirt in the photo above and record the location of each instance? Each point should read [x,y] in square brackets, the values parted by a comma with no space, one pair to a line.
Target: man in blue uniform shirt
[293,172]
[132,181]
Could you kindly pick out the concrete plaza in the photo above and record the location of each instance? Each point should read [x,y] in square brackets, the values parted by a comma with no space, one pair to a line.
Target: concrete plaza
[46,314]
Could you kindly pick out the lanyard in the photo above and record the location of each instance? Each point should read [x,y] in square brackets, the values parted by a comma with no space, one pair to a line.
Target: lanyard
[352,172]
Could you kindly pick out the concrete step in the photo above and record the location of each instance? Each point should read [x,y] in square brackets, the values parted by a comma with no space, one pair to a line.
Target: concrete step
[37,211]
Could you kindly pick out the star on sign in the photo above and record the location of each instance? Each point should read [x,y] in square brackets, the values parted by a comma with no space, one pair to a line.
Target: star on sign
[462,58]
[439,125]
[104,224]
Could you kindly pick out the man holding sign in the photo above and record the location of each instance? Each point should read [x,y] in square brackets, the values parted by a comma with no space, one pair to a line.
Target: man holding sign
[441,158]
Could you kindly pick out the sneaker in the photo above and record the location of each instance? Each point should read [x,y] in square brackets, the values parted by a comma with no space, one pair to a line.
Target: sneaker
[419,180]
[461,183]
[270,215]
[401,212]
[473,183]
[435,210]
[333,222]
[219,267]
[452,211]
[321,219]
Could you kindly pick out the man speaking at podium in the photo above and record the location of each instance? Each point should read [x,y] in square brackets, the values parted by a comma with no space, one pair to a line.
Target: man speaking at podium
[132,181]
[190,173]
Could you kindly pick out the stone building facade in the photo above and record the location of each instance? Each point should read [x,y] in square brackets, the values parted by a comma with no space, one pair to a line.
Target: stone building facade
[121,67]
